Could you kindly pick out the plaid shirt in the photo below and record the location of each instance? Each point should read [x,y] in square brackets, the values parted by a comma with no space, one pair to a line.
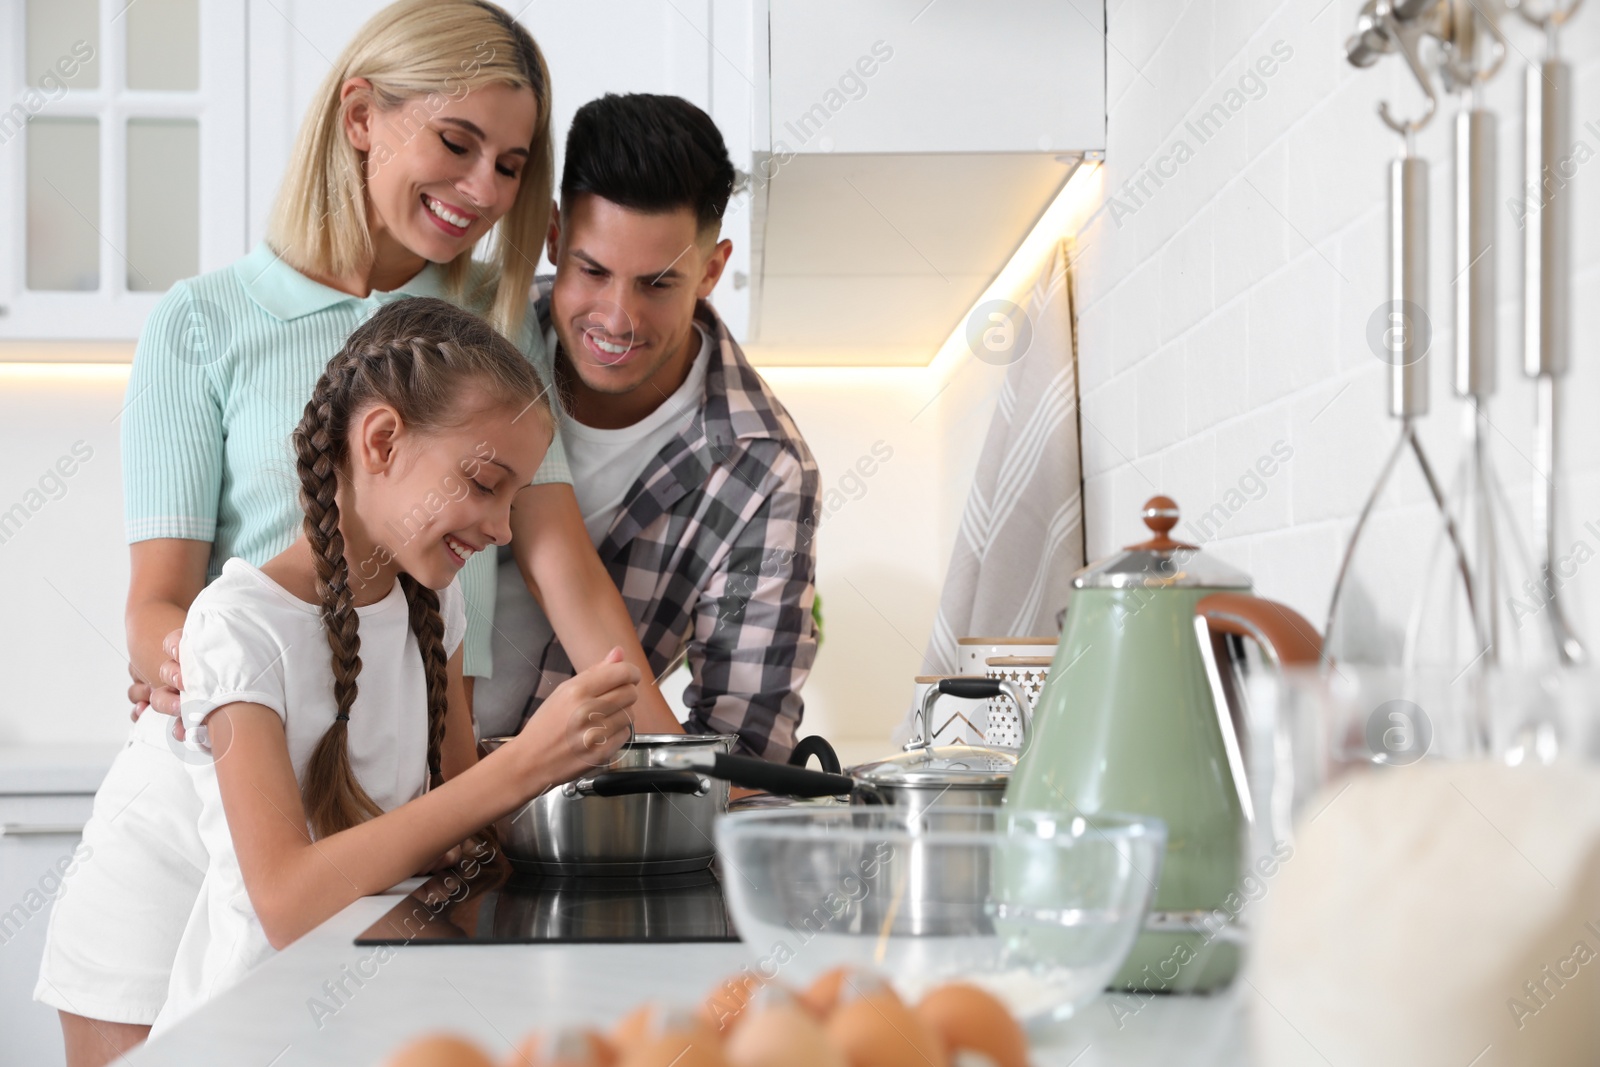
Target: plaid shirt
[714,548]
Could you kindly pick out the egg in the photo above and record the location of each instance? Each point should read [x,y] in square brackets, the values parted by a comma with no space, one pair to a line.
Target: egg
[728,999]
[569,1047]
[823,993]
[874,1028]
[967,1018]
[653,1037]
[439,1050]
[779,1031]
[631,1028]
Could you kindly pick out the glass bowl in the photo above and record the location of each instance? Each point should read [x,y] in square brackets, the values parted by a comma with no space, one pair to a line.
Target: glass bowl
[1040,908]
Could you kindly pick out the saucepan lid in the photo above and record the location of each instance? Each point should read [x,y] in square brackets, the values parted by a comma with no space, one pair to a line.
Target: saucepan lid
[1161,562]
[943,767]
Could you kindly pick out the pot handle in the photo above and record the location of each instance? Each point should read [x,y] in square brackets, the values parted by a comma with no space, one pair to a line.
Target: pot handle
[752,773]
[639,780]
[1288,637]
[815,745]
[969,688]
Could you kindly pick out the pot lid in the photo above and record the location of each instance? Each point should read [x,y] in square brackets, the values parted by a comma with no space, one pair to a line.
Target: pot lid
[943,767]
[1161,562]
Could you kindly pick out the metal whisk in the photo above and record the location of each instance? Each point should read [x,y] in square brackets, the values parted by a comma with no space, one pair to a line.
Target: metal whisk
[1483,512]
[1384,28]
[1547,272]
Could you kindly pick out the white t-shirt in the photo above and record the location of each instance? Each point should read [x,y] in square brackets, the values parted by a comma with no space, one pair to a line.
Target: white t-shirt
[246,638]
[605,465]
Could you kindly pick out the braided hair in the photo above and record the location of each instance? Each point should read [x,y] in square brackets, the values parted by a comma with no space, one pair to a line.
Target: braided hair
[417,355]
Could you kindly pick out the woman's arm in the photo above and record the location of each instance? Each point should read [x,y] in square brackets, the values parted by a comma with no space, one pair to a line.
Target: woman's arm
[295,883]
[166,574]
[558,561]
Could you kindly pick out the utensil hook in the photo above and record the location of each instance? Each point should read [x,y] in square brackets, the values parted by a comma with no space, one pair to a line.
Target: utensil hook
[1460,65]
[1407,37]
[1550,20]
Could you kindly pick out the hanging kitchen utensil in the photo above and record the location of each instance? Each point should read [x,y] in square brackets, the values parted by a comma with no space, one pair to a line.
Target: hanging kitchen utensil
[1547,292]
[1140,714]
[1475,50]
[1401,28]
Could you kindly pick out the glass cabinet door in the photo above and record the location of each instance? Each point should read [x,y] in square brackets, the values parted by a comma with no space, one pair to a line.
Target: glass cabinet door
[117,114]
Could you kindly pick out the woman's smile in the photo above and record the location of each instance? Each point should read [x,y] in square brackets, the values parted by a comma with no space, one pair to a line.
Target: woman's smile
[453,220]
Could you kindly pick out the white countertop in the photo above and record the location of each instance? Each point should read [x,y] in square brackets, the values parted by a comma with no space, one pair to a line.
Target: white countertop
[58,768]
[495,994]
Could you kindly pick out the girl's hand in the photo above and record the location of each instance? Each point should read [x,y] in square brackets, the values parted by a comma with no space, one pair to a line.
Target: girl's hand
[439,863]
[583,723]
[164,697]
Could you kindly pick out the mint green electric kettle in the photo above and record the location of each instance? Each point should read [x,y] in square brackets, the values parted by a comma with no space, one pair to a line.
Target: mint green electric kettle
[1139,716]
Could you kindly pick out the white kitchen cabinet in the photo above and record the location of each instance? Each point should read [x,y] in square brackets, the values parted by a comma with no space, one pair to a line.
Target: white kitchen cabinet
[46,795]
[953,76]
[903,150]
[39,846]
[121,132]
[880,111]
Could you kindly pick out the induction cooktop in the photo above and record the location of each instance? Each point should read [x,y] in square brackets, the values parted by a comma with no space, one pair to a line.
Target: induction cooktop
[491,902]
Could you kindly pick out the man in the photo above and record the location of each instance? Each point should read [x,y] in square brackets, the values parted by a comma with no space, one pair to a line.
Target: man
[695,485]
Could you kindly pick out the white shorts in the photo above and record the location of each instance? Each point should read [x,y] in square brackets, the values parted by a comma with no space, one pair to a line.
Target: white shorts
[115,926]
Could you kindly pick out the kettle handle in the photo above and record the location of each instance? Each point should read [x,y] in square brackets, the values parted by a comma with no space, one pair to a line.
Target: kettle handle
[1288,639]
[971,687]
[1287,636]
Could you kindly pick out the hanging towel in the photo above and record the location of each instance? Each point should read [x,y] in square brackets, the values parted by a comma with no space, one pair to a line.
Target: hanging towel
[1021,535]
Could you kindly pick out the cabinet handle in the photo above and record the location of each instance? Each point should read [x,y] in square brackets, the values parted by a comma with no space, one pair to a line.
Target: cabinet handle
[39,829]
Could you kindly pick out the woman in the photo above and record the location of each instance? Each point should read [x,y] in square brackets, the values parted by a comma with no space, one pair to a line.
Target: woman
[432,129]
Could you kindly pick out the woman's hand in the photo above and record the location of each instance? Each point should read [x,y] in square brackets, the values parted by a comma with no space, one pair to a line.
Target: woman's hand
[165,697]
[583,723]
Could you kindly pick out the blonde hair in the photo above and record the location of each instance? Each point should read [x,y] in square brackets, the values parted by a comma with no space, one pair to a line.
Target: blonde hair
[419,356]
[419,50]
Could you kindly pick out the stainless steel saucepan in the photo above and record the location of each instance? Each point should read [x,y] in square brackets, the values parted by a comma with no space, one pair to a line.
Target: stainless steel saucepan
[923,776]
[630,817]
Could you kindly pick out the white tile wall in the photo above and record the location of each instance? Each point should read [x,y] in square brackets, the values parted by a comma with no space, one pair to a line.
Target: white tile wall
[1228,309]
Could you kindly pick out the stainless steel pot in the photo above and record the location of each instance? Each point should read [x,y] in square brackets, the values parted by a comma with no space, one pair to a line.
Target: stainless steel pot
[629,818]
[921,777]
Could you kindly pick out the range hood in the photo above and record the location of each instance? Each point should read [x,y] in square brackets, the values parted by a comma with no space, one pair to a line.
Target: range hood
[906,151]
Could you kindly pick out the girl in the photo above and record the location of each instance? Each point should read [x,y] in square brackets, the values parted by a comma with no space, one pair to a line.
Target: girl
[337,776]
[431,130]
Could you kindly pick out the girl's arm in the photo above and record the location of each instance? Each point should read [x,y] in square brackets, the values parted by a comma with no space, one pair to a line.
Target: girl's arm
[460,749]
[558,561]
[295,883]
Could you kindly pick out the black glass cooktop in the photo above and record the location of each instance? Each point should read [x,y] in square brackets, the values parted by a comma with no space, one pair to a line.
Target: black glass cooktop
[492,903]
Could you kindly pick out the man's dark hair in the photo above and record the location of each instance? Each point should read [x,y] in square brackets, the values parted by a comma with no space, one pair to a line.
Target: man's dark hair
[648,153]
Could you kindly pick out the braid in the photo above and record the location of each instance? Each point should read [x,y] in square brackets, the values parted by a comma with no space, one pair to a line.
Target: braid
[428,625]
[333,796]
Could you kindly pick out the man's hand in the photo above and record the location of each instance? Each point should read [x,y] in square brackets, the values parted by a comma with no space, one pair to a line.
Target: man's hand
[163,697]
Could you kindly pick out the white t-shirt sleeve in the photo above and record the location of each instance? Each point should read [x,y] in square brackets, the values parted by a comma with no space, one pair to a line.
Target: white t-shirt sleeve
[227,659]
[453,606]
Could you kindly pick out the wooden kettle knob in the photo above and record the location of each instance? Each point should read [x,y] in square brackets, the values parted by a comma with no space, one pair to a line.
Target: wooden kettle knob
[1160,515]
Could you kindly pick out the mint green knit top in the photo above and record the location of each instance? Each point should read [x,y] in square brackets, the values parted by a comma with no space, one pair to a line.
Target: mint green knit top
[221,377]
